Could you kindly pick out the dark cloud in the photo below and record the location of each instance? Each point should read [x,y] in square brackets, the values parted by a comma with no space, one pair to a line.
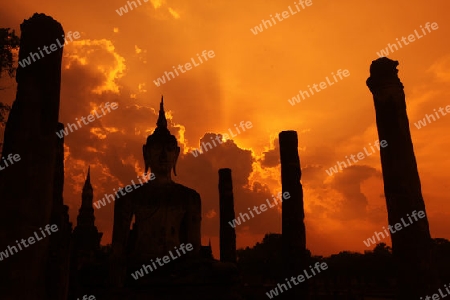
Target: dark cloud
[271,158]
[348,183]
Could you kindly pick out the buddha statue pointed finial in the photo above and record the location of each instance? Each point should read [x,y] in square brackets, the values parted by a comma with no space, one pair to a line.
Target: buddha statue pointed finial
[162,121]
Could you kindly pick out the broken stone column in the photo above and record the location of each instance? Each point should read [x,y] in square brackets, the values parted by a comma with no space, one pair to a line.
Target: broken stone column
[227,233]
[412,245]
[26,187]
[293,215]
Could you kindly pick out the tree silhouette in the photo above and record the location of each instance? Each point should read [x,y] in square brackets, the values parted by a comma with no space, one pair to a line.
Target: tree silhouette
[9,44]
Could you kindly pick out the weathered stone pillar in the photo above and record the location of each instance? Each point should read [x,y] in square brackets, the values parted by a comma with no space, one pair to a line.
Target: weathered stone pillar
[412,245]
[59,248]
[293,226]
[26,187]
[227,233]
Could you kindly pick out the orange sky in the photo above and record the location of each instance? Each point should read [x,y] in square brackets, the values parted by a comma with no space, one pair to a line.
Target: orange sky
[251,79]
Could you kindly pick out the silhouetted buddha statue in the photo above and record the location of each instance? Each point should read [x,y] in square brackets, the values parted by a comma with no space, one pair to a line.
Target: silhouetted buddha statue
[166,214]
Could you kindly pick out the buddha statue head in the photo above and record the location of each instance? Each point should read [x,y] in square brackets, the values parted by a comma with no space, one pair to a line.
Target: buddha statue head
[161,150]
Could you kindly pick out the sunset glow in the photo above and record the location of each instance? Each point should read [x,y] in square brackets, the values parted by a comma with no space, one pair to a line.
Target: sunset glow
[252,77]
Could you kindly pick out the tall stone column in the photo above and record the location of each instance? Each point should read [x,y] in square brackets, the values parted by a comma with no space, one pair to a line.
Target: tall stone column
[412,245]
[59,248]
[227,233]
[293,215]
[26,187]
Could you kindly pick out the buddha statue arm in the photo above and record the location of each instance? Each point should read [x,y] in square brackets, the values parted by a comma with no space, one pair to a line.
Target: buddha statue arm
[193,223]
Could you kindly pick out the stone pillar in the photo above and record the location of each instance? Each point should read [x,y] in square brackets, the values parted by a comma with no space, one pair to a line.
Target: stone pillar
[292,227]
[227,233]
[26,187]
[412,246]
[59,248]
